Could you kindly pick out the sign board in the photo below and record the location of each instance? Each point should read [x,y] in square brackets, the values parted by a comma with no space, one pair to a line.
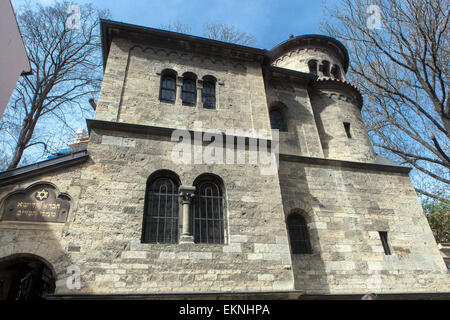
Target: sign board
[39,203]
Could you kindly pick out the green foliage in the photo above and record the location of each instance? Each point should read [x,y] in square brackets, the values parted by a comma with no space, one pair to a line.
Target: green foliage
[431,206]
[438,215]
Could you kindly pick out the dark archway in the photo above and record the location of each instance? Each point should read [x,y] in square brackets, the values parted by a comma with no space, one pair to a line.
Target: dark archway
[25,277]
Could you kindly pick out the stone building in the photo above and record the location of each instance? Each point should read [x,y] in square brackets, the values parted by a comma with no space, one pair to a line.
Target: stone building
[124,217]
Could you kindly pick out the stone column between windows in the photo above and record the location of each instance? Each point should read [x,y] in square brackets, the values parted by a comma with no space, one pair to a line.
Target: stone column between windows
[199,93]
[179,88]
[186,195]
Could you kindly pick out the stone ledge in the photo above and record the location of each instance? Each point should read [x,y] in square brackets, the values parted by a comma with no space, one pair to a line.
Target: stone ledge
[164,131]
[345,164]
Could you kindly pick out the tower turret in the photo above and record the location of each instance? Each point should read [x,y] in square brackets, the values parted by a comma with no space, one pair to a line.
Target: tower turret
[317,54]
[336,103]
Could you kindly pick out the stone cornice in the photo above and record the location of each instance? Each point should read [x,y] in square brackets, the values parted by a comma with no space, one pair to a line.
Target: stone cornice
[110,29]
[339,85]
[288,74]
[160,131]
[163,131]
[345,164]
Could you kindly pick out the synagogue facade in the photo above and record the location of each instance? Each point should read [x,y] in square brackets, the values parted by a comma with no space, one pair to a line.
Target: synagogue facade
[143,212]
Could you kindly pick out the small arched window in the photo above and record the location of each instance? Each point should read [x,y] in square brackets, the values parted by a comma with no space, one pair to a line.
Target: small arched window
[161,210]
[209,93]
[208,212]
[312,65]
[325,68]
[277,121]
[189,90]
[336,71]
[298,234]
[168,86]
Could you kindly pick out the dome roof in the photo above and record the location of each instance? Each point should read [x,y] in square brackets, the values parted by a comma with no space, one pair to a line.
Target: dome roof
[311,39]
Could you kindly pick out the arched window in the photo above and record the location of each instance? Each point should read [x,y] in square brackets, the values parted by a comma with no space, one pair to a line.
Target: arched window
[168,86]
[325,68]
[277,120]
[209,93]
[189,89]
[312,65]
[208,226]
[298,234]
[161,211]
[336,71]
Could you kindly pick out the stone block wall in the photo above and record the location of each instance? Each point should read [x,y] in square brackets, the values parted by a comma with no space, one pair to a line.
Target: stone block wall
[332,108]
[302,137]
[103,233]
[131,87]
[345,209]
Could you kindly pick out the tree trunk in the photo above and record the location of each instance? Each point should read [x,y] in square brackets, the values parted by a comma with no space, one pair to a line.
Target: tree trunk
[24,138]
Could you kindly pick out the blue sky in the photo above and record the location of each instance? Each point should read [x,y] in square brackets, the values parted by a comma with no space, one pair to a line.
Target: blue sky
[270,21]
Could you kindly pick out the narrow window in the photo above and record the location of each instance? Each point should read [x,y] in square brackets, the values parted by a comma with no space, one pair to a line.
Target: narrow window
[336,71]
[209,94]
[208,213]
[384,242]
[189,92]
[347,129]
[161,211]
[277,120]
[298,234]
[168,87]
[325,68]
[312,65]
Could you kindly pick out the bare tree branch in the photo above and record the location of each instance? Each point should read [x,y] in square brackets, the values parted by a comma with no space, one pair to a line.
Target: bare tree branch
[67,71]
[227,33]
[403,73]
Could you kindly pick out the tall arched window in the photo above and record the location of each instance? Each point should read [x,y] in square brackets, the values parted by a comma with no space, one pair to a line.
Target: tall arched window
[161,211]
[277,120]
[325,68]
[336,71]
[298,234]
[189,89]
[312,65]
[208,219]
[209,93]
[168,86]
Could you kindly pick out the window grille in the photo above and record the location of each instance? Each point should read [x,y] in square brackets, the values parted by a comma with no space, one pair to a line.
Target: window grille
[209,95]
[208,214]
[168,88]
[161,216]
[189,92]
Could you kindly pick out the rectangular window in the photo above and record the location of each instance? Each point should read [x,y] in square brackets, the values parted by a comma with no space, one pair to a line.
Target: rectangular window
[347,129]
[384,242]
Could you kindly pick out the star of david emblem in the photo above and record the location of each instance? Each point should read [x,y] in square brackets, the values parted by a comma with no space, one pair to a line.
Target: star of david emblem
[41,195]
